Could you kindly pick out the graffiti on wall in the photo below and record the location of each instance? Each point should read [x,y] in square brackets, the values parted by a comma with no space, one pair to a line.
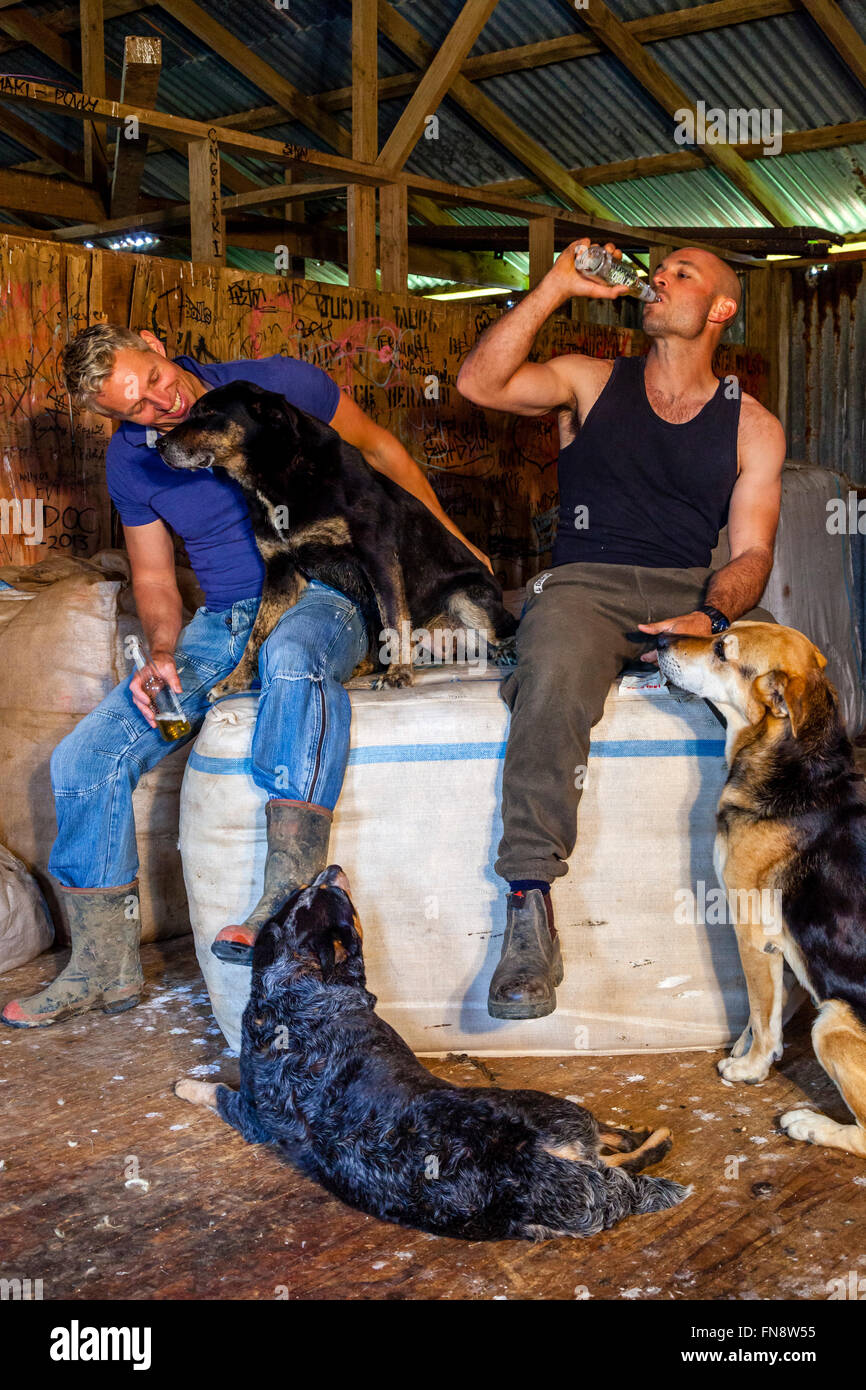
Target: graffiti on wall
[398,358]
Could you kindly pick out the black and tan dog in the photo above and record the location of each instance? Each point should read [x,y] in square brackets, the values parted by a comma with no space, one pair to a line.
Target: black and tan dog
[339,1094]
[320,511]
[791,851]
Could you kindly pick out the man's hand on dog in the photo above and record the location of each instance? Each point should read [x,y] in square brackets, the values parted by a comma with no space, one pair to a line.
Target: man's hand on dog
[161,664]
[695,624]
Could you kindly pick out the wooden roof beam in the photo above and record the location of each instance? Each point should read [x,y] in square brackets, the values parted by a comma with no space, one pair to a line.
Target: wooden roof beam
[313,163]
[679,161]
[233,51]
[23,133]
[93,80]
[22,27]
[33,193]
[142,63]
[491,117]
[842,35]
[671,97]
[441,69]
[649,29]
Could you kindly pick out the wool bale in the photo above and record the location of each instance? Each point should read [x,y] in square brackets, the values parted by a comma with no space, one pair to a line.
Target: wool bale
[62,624]
[25,925]
[416,830]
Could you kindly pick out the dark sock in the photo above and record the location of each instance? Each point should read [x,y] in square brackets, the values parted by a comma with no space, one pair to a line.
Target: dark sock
[523,885]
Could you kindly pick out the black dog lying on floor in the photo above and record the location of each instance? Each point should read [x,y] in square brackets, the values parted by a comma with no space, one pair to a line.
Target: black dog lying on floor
[320,511]
[335,1089]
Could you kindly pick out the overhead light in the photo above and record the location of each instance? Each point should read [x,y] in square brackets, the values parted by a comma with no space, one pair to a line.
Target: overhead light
[133,241]
[468,294]
[814,273]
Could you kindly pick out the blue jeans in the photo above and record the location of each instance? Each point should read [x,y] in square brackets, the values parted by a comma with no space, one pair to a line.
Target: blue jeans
[300,746]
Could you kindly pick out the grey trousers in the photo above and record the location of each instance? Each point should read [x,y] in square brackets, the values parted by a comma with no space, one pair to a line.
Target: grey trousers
[579,628]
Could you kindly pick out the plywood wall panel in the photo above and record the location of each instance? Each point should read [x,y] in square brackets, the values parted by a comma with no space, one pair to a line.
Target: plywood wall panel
[398,356]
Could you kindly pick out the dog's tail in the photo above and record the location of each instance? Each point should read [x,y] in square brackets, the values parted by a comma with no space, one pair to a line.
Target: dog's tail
[580,1199]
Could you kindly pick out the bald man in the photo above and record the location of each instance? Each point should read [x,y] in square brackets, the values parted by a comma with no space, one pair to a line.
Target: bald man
[656,456]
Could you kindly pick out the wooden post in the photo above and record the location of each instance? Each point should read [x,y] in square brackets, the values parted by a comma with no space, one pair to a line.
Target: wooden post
[142,61]
[361,198]
[206,221]
[656,255]
[394,237]
[541,249]
[295,212]
[93,82]
[767,334]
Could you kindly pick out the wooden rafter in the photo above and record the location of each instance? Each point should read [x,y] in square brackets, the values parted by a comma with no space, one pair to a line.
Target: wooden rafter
[679,161]
[142,62]
[653,78]
[23,133]
[438,76]
[63,54]
[649,29]
[361,198]
[491,117]
[838,28]
[654,28]
[93,80]
[22,27]
[314,163]
[31,193]
[233,51]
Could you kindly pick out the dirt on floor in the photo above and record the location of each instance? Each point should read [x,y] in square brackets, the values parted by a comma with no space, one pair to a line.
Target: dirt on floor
[111,1187]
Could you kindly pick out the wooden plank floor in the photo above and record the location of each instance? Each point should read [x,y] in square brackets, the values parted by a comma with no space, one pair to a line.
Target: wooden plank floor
[110,1187]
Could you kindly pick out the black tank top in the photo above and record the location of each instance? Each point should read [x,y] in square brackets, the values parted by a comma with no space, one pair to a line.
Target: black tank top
[635,490]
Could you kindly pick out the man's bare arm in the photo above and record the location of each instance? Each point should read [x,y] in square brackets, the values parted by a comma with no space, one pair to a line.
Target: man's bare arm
[753,515]
[496,373]
[158,601]
[386,454]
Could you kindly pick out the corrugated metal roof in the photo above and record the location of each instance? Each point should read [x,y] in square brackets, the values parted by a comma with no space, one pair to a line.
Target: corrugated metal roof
[585,111]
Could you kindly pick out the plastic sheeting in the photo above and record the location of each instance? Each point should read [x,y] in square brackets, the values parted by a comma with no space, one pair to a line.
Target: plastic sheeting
[811,586]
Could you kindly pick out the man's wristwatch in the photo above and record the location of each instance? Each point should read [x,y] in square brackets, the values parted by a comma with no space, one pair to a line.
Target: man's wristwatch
[717,619]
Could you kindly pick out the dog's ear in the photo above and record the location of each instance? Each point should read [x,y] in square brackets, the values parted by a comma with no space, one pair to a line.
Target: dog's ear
[270,409]
[802,699]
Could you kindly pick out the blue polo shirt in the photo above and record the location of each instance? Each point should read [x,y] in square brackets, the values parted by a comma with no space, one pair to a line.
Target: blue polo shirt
[208,510]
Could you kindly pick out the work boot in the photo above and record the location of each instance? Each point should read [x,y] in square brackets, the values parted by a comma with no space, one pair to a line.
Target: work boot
[523,984]
[298,834]
[104,969]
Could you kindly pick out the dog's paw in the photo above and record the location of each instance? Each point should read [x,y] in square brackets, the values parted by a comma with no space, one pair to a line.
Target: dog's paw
[802,1124]
[395,677]
[196,1092]
[749,1068]
[504,653]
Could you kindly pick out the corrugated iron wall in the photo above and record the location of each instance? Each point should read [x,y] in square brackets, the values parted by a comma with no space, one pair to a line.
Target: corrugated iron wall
[827,400]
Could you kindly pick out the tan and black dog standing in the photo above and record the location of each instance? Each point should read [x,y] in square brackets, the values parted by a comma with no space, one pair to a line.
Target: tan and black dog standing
[792,833]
